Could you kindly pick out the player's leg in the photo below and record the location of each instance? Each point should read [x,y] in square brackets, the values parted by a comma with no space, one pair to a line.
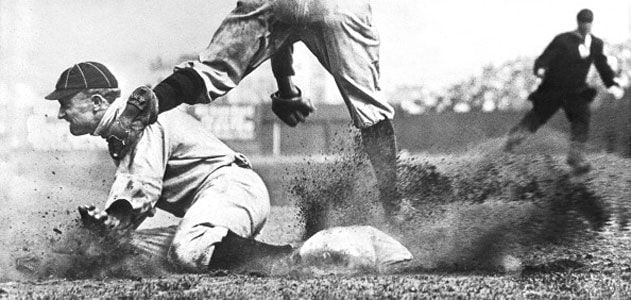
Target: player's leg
[347,45]
[578,112]
[544,105]
[379,143]
[218,229]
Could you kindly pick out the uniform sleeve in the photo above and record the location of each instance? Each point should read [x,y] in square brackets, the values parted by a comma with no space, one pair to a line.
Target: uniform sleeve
[283,61]
[600,61]
[552,51]
[139,174]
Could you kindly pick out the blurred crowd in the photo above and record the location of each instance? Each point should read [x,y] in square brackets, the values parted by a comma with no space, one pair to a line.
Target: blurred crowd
[502,87]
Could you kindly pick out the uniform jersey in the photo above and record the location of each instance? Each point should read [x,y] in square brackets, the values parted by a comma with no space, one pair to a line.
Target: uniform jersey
[170,163]
[179,166]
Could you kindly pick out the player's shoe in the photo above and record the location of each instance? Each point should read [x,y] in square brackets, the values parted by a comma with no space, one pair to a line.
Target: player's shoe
[245,254]
[141,110]
[404,214]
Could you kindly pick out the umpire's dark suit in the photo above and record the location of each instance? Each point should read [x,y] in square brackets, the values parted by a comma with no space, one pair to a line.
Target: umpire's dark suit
[564,84]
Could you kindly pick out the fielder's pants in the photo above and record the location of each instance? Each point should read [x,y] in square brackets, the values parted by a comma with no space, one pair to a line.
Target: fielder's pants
[339,33]
[546,102]
[234,198]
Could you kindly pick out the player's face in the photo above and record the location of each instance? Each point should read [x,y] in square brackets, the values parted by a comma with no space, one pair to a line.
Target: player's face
[79,111]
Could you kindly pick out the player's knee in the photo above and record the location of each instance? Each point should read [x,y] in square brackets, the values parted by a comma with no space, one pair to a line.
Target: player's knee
[183,257]
[191,250]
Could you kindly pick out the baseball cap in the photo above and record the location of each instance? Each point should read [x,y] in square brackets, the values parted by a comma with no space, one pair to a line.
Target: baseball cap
[82,76]
[585,16]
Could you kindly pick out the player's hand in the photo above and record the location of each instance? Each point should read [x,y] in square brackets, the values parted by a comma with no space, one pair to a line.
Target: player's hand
[541,73]
[616,91]
[292,110]
[96,219]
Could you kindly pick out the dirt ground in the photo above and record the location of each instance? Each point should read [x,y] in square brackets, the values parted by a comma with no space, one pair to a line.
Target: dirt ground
[480,223]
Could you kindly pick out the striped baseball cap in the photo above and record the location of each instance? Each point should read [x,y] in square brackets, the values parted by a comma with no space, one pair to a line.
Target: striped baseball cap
[82,76]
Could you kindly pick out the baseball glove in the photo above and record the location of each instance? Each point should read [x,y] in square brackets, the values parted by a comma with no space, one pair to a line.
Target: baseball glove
[125,131]
[293,110]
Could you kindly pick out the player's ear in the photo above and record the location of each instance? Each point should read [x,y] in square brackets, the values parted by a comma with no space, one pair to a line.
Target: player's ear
[98,101]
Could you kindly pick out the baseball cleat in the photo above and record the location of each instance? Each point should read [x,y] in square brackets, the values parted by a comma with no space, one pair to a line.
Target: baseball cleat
[236,252]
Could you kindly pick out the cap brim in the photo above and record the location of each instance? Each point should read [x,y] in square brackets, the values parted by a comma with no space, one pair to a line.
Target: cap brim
[58,94]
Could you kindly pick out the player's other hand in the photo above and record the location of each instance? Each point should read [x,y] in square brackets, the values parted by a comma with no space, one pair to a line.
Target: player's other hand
[616,91]
[96,219]
[291,110]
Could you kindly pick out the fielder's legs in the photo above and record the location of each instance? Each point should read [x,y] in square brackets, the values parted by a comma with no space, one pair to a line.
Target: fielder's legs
[380,144]
[347,45]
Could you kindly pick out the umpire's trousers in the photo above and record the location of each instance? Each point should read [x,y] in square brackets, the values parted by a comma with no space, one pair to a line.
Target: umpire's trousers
[547,101]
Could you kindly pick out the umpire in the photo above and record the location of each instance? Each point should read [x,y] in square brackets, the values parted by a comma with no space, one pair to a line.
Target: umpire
[563,68]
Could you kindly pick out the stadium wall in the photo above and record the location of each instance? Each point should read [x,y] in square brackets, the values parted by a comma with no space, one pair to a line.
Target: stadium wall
[327,131]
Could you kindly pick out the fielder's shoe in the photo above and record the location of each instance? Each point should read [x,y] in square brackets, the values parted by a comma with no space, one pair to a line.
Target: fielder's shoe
[141,110]
[406,212]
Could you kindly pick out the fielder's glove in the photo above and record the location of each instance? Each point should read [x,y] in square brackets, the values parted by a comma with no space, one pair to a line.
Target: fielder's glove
[293,110]
[141,110]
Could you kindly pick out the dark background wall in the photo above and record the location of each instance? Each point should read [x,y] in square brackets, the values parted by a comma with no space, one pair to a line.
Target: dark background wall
[328,130]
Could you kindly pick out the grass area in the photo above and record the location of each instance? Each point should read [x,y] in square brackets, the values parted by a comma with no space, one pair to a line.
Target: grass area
[400,286]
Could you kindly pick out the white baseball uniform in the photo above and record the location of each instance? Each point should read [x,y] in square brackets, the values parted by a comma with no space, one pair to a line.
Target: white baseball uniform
[179,166]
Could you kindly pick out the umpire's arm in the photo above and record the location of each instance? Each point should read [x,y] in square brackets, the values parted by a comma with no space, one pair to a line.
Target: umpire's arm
[552,51]
[604,69]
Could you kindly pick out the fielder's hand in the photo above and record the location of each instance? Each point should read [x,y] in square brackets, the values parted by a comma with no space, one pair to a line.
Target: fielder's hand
[616,91]
[95,219]
[292,110]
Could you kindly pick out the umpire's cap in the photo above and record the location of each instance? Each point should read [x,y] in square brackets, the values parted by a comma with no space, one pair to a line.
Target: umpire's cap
[82,76]
[585,16]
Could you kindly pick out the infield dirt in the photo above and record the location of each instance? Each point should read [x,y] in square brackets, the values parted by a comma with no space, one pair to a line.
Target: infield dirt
[478,210]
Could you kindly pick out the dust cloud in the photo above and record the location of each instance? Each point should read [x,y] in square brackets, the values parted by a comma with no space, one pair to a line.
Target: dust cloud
[481,209]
